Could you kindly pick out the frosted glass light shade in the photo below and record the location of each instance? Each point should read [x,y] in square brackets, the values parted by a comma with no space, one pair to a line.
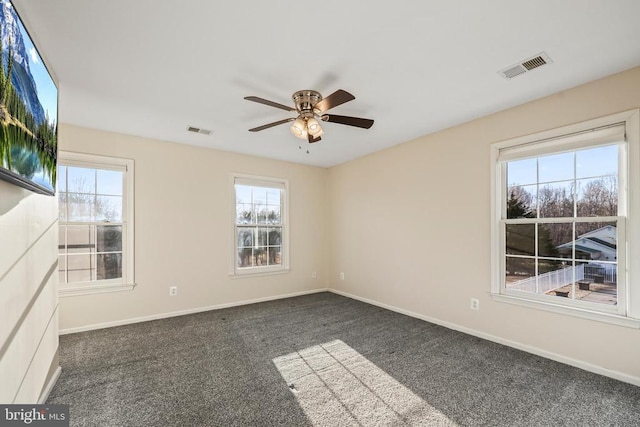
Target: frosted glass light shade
[313,127]
[299,128]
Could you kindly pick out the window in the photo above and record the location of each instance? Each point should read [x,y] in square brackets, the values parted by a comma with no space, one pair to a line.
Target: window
[260,229]
[563,201]
[95,200]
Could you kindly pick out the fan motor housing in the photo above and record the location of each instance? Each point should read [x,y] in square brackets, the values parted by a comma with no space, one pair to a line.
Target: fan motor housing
[305,100]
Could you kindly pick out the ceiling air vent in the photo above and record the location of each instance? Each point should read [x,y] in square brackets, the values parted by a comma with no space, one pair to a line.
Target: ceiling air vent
[525,66]
[198,130]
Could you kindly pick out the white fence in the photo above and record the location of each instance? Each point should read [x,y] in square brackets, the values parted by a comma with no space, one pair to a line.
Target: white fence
[601,273]
[549,281]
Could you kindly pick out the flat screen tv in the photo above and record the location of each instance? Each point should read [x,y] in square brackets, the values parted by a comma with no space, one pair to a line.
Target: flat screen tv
[28,109]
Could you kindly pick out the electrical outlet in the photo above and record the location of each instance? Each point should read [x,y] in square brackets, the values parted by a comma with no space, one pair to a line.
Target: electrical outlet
[341,276]
[475,304]
[173,291]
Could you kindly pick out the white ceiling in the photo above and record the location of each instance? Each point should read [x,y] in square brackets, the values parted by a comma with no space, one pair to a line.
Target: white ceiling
[154,67]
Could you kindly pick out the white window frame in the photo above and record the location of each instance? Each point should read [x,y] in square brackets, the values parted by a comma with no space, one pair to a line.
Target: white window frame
[261,181]
[126,282]
[571,138]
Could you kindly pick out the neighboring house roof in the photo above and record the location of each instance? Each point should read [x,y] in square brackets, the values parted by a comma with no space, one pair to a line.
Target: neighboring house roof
[600,241]
[603,242]
[607,234]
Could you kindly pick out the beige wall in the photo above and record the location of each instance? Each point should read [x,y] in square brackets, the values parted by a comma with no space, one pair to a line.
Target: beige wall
[410,228]
[183,229]
[28,280]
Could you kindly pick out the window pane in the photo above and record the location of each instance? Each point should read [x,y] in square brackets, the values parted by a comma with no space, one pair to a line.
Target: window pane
[260,256]
[274,255]
[259,195]
[597,162]
[109,266]
[262,236]
[273,214]
[596,241]
[244,213]
[555,240]
[81,268]
[521,201]
[556,200]
[518,272]
[261,214]
[81,207]
[522,172]
[593,283]
[61,179]
[600,283]
[243,194]
[245,237]
[81,180]
[273,196]
[62,207]
[520,239]
[80,239]
[245,257]
[598,197]
[558,167]
[275,237]
[109,182]
[555,278]
[109,238]
[109,208]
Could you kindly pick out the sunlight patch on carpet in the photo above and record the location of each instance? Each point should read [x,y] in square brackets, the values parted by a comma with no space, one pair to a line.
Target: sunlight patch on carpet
[336,385]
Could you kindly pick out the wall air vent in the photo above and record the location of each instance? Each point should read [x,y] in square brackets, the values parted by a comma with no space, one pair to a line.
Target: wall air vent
[527,65]
[198,130]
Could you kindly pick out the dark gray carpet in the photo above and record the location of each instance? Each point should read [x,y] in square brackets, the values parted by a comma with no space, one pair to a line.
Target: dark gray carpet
[322,359]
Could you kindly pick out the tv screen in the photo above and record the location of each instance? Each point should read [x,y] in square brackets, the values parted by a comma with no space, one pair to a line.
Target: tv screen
[28,109]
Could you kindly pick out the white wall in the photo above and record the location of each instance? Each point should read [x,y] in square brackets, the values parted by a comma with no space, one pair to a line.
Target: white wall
[410,228]
[28,282]
[183,229]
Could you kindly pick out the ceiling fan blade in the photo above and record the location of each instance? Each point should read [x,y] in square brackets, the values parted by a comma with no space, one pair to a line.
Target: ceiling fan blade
[346,120]
[336,98]
[270,125]
[270,103]
[311,139]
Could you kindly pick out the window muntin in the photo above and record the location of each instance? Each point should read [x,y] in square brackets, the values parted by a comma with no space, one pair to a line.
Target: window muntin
[260,225]
[95,226]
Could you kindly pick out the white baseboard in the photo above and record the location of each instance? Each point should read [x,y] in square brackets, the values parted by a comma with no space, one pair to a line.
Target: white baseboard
[183,312]
[514,344]
[47,390]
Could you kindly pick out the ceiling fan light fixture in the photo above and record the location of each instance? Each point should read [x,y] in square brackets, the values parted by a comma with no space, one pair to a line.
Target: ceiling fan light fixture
[299,128]
[313,127]
[310,107]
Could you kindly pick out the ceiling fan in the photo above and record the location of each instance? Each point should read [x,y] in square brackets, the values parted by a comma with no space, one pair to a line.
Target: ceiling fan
[310,106]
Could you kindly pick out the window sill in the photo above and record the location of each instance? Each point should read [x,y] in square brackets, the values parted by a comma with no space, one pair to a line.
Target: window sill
[94,289]
[613,319]
[258,273]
